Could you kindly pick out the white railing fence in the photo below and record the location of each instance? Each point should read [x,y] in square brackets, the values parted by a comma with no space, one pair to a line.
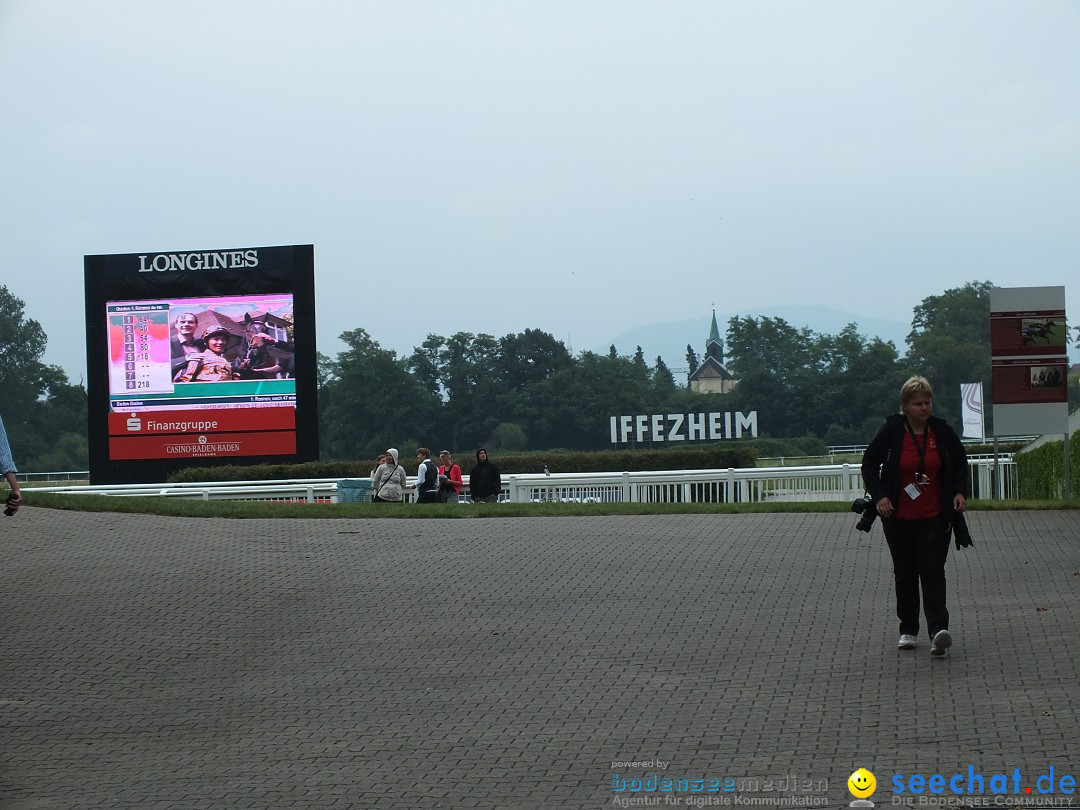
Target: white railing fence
[835,482]
[69,475]
[298,490]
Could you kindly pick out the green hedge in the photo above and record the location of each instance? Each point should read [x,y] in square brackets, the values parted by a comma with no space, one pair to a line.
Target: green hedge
[768,447]
[698,457]
[275,472]
[1041,471]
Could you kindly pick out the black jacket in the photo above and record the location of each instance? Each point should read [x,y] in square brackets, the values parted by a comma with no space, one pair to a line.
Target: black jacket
[881,462]
[484,480]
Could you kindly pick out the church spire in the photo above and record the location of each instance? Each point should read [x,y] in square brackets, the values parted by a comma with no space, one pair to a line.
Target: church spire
[714,333]
[714,347]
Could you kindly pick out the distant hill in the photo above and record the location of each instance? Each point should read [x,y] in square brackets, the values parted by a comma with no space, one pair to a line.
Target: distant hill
[668,340]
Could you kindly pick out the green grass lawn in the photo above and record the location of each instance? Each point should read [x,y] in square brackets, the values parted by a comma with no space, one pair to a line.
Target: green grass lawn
[193,508]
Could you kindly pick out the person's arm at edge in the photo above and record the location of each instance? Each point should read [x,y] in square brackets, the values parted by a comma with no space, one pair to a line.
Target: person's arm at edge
[15,499]
[8,468]
[874,456]
[959,471]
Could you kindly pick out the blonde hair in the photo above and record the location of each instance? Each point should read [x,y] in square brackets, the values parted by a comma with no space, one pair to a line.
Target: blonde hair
[913,387]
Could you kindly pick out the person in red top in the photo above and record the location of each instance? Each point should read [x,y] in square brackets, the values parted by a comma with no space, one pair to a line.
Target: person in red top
[915,471]
[450,482]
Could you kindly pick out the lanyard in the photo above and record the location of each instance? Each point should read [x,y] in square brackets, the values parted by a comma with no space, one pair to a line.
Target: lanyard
[920,477]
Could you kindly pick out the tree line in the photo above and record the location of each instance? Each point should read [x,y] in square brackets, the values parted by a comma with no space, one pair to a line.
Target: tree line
[527,391]
[44,413]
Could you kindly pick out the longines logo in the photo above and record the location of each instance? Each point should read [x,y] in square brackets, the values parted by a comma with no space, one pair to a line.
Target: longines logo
[225,260]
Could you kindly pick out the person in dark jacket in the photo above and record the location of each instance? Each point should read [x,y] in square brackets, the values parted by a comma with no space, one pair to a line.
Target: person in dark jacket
[484,481]
[915,471]
[427,477]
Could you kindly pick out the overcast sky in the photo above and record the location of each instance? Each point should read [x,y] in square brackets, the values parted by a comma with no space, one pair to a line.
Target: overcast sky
[578,167]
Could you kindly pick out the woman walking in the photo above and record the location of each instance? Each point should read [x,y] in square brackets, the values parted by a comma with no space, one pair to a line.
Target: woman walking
[915,470]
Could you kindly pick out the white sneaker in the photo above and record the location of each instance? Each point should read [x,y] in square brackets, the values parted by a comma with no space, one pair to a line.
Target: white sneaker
[941,642]
[906,642]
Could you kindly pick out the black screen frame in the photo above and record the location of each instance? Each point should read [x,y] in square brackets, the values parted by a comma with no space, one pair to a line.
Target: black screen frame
[219,272]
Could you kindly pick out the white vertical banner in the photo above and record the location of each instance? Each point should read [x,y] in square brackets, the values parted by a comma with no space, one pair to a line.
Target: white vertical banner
[971,395]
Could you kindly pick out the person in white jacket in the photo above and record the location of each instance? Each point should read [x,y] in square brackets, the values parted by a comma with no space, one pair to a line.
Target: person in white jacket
[389,483]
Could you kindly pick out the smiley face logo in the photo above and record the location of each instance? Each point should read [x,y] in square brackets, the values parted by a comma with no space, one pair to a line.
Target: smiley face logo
[861,783]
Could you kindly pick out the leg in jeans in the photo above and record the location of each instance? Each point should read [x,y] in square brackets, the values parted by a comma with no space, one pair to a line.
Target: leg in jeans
[902,546]
[933,550]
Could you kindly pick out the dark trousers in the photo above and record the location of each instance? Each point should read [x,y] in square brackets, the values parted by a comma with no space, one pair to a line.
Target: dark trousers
[919,549]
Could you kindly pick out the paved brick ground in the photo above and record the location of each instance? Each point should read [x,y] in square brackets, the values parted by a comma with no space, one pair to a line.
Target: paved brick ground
[151,662]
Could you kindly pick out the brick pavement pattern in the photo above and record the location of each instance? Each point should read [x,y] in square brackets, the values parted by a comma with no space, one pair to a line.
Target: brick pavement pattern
[153,662]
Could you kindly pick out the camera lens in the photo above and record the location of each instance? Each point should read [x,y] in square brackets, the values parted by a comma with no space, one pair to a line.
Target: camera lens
[866,522]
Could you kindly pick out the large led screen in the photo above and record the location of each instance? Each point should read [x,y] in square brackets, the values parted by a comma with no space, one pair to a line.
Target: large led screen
[199,359]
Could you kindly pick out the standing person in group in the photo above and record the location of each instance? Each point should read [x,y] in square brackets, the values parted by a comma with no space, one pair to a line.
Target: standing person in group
[378,463]
[7,469]
[484,481]
[915,471]
[388,483]
[427,478]
[450,482]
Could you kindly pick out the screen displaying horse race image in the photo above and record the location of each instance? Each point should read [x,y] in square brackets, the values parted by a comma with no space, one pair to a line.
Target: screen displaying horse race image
[200,359]
[161,351]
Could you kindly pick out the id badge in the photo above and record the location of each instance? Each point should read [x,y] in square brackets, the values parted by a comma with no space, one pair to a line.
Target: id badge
[912,491]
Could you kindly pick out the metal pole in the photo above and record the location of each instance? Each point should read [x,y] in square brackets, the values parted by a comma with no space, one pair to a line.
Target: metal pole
[997,472]
[1068,486]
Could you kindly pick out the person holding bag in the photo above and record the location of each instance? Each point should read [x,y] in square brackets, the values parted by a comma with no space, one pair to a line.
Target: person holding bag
[916,473]
[388,483]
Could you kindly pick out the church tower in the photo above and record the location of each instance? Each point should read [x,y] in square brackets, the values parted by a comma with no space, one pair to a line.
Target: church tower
[712,376]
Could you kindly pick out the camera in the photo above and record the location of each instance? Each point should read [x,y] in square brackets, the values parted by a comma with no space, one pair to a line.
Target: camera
[10,509]
[864,506]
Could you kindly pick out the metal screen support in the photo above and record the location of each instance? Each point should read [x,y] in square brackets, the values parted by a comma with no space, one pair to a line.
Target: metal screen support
[1068,485]
[998,490]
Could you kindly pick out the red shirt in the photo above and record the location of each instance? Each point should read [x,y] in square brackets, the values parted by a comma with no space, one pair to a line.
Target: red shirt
[928,504]
[454,475]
